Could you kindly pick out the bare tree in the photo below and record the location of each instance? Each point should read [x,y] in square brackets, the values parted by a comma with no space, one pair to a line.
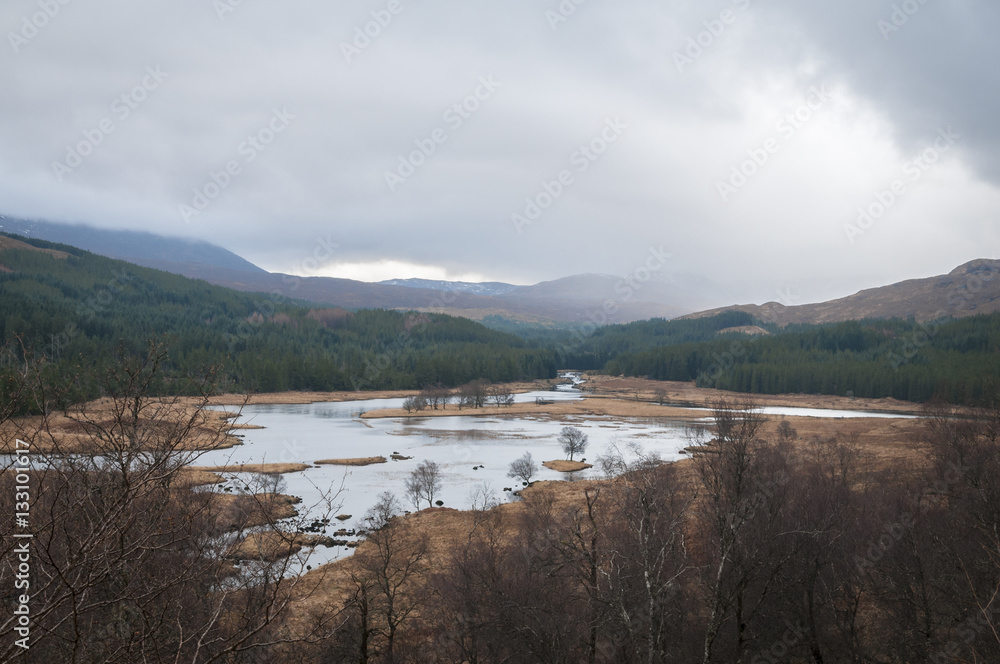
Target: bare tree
[523,468]
[473,394]
[646,577]
[435,396]
[741,492]
[392,564]
[662,397]
[786,432]
[415,403]
[128,563]
[424,483]
[573,441]
[500,395]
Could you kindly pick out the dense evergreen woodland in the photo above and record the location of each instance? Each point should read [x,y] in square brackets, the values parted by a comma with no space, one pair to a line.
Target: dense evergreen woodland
[84,311]
[956,360]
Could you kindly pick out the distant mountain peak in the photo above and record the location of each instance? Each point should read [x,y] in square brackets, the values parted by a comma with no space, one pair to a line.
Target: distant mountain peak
[978,266]
[476,288]
[971,288]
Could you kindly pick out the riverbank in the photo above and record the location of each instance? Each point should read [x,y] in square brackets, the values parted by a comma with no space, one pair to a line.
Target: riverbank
[336,397]
[688,394]
[184,424]
[601,396]
[589,405]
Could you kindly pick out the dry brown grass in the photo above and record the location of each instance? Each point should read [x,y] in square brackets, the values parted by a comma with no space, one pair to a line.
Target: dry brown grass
[255,510]
[566,466]
[612,396]
[260,468]
[306,397]
[366,461]
[273,545]
[319,397]
[66,431]
[643,389]
[11,243]
[596,405]
[191,477]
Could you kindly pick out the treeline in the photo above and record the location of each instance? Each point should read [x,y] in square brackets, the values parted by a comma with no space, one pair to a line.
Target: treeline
[85,311]
[607,343]
[957,360]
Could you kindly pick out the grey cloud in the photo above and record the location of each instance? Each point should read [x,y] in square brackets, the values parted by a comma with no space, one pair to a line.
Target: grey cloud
[353,120]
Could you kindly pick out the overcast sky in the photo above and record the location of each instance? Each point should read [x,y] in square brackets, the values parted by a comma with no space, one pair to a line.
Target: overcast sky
[740,137]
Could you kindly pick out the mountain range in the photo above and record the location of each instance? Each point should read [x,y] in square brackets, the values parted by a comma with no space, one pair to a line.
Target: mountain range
[580,299]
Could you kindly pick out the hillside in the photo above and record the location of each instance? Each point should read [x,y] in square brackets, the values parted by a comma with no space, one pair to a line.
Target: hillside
[170,254]
[79,310]
[579,299]
[957,360]
[973,288]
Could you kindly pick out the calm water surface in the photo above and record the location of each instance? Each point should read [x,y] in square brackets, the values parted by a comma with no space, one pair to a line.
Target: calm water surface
[471,450]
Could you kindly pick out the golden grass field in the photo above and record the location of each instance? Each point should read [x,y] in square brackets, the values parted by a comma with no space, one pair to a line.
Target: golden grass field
[566,466]
[366,461]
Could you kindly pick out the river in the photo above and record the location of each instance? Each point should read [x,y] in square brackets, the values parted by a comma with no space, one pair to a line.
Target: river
[472,451]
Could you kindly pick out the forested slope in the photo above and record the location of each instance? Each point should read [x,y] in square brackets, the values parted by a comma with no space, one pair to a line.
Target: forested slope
[957,360]
[77,310]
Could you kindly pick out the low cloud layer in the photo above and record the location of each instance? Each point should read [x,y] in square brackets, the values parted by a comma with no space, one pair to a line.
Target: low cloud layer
[778,148]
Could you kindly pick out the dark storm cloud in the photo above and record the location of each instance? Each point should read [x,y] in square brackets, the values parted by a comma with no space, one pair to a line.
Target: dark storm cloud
[274,129]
